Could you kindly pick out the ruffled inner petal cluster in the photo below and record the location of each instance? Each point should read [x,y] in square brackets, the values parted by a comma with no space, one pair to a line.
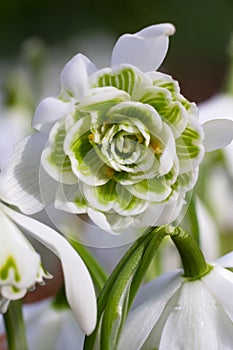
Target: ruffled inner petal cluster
[132,143]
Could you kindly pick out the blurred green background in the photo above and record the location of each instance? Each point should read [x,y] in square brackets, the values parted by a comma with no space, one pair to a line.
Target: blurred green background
[197,56]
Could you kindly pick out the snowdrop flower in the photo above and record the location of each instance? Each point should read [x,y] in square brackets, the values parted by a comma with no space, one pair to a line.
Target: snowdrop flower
[21,267]
[180,313]
[57,324]
[120,144]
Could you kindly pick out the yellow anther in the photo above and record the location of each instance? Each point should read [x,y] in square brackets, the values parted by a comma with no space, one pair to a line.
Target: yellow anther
[140,138]
[157,147]
[91,137]
[110,172]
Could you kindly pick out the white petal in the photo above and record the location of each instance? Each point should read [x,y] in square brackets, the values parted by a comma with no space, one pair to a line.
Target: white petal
[209,237]
[135,332]
[75,74]
[145,49]
[19,260]
[4,303]
[192,324]
[225,260]
[50,110]
[218,134]
[220,282]
[112,223]
[79,288]
[20,185]
[219,106]
[69,198]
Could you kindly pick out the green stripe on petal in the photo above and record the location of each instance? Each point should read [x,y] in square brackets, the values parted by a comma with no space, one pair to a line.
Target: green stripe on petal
[54,160]
[102,197]
[155,189]
[8,268]
[127,204]
[190,149]
[86,164]
[125,79]
[172,112]
[143,116]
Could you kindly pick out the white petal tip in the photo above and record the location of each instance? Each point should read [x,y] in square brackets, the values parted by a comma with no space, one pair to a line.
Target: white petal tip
[169,29]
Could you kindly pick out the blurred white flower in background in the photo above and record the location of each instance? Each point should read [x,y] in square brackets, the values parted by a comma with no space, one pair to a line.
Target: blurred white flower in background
[52,328]
[218,188]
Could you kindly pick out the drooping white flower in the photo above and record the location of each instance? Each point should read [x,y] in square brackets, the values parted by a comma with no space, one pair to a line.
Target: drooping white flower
[20,266]
[181,314]
[120,144]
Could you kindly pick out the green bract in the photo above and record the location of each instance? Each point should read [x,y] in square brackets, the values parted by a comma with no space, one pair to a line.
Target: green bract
[128,151]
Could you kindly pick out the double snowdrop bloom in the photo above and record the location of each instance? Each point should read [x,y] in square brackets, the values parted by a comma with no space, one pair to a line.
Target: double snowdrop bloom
[181,314]
[120,144]
[21,267]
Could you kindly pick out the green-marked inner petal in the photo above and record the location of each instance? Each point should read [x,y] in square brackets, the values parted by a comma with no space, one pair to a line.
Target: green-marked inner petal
[187,144]
[154,189]
[172,112]
[127,204]
[7,268]
[85,162]
[101,197]
[143,116]
[55,161]
[127,79]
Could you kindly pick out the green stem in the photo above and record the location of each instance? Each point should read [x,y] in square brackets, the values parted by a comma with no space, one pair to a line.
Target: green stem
[193,261]
[120,289]
[15,328]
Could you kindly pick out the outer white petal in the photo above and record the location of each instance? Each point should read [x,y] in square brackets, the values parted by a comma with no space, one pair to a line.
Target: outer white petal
[20,185]
[220,283]
[70,199]
[157,295]
[219,106]
[218,134]
[145,49]
[50,110]
[225,260]
[79,288]
[192,323]
[14,246]
[75,74]
[209,237]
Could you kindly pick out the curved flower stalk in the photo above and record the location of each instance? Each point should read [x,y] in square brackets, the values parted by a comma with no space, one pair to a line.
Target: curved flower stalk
[179,313]
[120,144]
